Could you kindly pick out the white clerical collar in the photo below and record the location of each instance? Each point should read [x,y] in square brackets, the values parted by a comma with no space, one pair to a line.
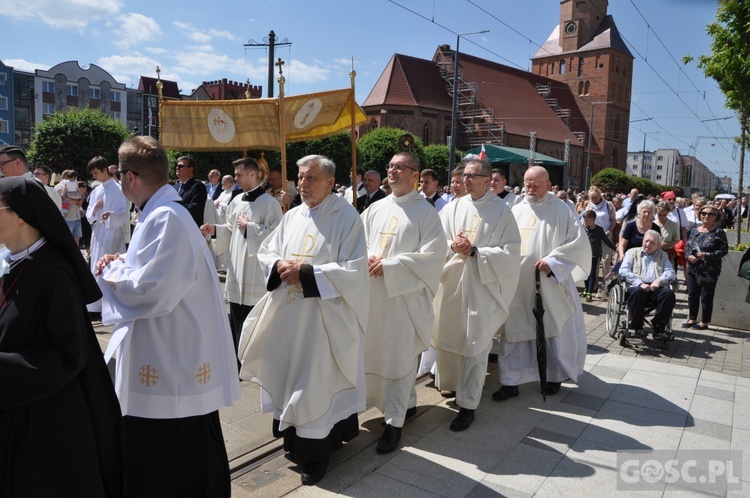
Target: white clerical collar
[28,251]
[481,198]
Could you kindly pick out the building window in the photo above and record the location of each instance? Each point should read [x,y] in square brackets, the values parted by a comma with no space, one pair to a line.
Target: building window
[115,115]
[635,157]
[658,177]
[95,93]
[635,166]
[580,88]
[3,126]
[426,134]
[659,158]
[373,124]
[48,109]
[48,86]
[586,88]
[580,66]
[3,103]
[72,91]
[400,125]
[658,166]
[562,66]
[114,96]
[3,79]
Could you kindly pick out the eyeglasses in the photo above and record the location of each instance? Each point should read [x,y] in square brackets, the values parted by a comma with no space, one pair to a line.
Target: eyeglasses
[180,166]
[119,173]
[471,176]
[400,167]
[6,162]
[708,213]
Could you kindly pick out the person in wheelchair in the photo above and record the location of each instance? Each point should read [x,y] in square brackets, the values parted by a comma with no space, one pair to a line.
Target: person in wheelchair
[647,273]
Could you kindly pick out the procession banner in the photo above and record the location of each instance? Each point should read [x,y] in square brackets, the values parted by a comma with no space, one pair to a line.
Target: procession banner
[214,125]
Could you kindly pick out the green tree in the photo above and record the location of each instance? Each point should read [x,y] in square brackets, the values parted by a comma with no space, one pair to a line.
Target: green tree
[376,149]
[614,180]
[437,157]
[337,148]
[729,65]
[70,139]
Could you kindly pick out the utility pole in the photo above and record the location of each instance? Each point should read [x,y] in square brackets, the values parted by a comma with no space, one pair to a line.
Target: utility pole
[271,42]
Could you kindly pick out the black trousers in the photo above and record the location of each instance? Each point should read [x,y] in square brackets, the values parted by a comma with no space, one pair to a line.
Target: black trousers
[700,294]
[304,450]
[175,457]
[662,299]
[237,314]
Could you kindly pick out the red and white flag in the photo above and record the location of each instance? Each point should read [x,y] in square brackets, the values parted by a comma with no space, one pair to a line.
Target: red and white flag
[483,153]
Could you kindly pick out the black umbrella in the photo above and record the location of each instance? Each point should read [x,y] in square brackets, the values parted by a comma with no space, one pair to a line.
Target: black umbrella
[541,344]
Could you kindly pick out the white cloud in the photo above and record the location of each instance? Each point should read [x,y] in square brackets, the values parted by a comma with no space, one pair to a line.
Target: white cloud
[135,29]
[343,60]
[24,65]
[299,72]
[63,14]
[202,35]
[205,62]
[129,68]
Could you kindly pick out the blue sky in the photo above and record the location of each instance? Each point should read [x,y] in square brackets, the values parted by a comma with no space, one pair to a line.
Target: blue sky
[194,42]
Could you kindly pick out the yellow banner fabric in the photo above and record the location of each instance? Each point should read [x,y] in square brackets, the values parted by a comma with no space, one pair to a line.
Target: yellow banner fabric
[254,124]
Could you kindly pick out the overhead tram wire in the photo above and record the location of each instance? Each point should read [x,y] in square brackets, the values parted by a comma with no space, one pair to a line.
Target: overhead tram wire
[455,33]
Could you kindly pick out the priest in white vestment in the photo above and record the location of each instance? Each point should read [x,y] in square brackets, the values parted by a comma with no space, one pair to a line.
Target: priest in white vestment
[406,250]
[304,340]
[553,241]
[476,287]
[250,218]
[107,213]
[175,361]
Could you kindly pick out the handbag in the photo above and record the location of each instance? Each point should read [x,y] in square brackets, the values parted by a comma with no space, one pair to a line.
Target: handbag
[745,270]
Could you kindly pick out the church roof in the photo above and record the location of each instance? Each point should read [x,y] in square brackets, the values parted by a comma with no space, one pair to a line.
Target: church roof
[514,99]
[606,36]
[409,81]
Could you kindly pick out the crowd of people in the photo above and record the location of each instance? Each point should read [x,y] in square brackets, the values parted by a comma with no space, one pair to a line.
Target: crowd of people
[338,300]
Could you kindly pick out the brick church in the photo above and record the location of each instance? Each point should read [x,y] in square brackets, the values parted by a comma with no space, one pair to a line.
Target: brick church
[550,109]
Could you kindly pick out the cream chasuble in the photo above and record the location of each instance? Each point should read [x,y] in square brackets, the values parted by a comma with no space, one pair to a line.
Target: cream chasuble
[307,352]
[475,292]
[406,232]
[245,283]
[547,232]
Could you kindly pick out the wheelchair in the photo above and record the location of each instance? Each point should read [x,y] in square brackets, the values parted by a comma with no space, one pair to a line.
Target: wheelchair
[617,318]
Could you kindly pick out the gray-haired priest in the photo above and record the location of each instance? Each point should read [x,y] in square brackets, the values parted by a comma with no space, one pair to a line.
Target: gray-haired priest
[304,340]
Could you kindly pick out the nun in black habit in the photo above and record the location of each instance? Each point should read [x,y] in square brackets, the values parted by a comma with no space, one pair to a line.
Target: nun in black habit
[59,415]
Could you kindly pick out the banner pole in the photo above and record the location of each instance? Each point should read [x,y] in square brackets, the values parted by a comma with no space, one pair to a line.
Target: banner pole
[352,75]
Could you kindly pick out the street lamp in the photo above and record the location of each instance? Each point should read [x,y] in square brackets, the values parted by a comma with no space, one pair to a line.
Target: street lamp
[591,132]
[452,159]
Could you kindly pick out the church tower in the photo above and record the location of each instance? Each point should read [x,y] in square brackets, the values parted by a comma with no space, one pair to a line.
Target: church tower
[585,51]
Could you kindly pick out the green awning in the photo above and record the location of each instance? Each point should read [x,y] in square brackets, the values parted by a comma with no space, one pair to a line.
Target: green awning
[512,155]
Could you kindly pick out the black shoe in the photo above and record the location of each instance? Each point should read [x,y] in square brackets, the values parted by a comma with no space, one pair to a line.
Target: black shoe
[389,440]
[661,336]
[448,394]
[640,334]
[504,393]
[552,388]
[463,420]
[411,412]
[313,472]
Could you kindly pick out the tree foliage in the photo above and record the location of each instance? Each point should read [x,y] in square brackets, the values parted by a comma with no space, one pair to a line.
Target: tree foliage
[376,149]
[70,139]
[729,64]
[437,157]
[614,180]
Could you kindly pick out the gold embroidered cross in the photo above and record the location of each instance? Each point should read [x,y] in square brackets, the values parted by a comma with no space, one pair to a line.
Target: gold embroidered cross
[203,373]
[527,231]
[148,376]
[295,291]
[387,236]
[471,233]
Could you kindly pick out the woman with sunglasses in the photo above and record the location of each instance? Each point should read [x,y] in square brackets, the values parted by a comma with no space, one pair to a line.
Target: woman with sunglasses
[706,245]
